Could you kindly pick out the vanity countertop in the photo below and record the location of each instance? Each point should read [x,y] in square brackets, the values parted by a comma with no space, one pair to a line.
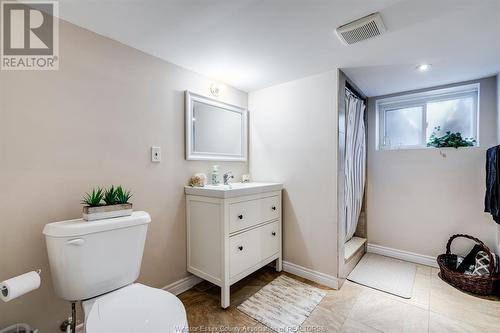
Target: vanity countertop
[233,189]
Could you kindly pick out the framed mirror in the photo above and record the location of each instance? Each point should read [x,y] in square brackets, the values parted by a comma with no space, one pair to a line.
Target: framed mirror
[215,131]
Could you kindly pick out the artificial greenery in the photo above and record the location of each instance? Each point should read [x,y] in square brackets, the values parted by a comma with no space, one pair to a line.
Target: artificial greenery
[122,196]
[93,199]
[111,196]
[450,139]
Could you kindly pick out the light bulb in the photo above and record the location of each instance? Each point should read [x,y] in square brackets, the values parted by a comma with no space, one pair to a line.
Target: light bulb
[423,67]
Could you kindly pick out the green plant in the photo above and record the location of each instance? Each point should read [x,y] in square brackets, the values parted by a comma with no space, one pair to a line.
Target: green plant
[122,196]
[450,139]
[94,198]
[110,196]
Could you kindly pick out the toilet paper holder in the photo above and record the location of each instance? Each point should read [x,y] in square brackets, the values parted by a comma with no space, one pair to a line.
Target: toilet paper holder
[4,289]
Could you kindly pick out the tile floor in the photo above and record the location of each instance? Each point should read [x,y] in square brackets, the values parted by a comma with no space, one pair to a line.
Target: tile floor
[434,307]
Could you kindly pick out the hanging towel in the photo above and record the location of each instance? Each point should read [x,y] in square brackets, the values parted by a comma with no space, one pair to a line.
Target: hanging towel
[492,198]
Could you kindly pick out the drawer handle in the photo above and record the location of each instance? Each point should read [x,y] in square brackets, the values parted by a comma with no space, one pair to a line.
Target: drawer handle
[273,207]
[273,233]
[240,248]
[240,217]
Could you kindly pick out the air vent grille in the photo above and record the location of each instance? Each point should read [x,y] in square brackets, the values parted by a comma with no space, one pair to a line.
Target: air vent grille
[365,28]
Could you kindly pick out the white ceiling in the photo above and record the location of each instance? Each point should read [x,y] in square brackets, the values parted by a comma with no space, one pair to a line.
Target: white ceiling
[252,44]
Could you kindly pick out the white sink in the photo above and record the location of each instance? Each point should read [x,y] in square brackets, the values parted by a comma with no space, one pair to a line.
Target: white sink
[232,190]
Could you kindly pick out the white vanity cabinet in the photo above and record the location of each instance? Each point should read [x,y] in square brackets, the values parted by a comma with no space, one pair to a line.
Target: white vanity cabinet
[233,230]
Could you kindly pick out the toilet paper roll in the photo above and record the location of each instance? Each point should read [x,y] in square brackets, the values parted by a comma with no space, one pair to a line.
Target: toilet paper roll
[19,285]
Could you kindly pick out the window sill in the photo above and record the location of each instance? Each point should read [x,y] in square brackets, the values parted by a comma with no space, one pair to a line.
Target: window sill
[426,148]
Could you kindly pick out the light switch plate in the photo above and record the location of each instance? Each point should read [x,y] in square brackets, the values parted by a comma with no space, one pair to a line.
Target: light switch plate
[155,154]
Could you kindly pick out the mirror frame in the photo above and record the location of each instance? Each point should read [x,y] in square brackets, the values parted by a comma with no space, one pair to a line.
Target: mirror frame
[191,155]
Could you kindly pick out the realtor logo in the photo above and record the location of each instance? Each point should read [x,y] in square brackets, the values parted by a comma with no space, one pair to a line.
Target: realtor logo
[29,35]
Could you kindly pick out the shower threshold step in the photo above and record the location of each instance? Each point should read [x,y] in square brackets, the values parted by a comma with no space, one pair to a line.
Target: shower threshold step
[352,247]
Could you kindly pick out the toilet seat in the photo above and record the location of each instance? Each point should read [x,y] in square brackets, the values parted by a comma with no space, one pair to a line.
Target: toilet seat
[135,309]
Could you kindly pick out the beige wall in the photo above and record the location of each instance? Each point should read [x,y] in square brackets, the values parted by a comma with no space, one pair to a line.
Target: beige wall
[92,123]
[418,199]
[294,141]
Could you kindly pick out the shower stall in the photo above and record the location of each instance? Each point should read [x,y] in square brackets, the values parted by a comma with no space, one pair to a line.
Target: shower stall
[352,227]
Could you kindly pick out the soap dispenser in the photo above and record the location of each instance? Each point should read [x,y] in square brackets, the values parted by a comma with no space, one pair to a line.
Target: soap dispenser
[215,175]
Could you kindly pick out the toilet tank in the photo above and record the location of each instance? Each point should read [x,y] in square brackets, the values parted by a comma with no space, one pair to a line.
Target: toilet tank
[90,258]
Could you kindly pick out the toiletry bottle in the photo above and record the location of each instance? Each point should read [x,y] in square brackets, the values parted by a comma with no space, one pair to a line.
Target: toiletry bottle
[215,175]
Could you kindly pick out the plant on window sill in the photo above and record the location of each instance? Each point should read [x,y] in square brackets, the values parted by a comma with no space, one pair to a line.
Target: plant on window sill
[452,140]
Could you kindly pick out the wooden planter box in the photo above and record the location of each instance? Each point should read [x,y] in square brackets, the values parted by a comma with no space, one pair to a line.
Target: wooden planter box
[106,212]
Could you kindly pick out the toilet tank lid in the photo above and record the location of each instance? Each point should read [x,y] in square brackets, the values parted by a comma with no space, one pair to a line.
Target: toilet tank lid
[80,227]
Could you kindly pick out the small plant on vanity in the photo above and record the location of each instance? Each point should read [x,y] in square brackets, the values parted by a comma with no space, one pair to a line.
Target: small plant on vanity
[115,203]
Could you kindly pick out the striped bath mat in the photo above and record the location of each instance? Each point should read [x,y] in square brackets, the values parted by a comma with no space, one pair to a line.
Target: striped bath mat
[283,304]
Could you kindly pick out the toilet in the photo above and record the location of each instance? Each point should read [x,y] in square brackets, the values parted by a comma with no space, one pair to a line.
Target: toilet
[97,263]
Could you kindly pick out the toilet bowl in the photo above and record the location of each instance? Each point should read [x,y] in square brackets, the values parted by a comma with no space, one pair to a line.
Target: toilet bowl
[97,263]
[135,309]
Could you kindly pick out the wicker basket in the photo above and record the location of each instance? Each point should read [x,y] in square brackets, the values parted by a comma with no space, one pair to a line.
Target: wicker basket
[482,285]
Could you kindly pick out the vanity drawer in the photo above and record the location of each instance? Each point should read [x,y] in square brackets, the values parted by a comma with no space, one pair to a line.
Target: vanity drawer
[249,213]
[249,248]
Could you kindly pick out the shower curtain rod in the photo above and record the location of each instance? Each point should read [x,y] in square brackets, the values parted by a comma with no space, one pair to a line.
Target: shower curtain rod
[353,91]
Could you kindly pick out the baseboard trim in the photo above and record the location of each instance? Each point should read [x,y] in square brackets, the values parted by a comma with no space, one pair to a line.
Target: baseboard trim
[403,255]
[315,276]
[182,285]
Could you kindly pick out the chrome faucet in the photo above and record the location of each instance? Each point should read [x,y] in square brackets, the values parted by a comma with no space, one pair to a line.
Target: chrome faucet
[227,176]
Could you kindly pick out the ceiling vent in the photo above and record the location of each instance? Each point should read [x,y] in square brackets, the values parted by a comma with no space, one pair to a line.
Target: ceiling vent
[364,28]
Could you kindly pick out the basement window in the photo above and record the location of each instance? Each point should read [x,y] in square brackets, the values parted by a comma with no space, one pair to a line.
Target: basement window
[408,121]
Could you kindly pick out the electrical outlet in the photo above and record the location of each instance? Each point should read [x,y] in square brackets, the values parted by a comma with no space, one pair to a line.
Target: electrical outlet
[155,154]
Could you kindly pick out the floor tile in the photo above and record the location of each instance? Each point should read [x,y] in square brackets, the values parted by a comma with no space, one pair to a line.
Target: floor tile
[441,324]
[323,320]
[388,315]
[424,270]
[342,300]
[457,305]
[351,326]
[434,307]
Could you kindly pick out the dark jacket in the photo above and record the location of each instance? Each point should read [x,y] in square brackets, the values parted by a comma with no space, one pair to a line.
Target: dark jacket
[492,198]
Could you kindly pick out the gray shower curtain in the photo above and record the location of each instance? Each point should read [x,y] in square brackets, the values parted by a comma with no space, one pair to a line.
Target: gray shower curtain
[355,162]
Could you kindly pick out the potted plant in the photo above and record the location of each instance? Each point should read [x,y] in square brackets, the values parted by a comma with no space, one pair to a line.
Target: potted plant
[450,139]
[115,203]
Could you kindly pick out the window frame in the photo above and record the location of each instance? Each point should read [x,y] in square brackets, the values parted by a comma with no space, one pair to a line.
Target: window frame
[420,100]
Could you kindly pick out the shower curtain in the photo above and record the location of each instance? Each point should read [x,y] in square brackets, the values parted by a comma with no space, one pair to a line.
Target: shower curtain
[355,162]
